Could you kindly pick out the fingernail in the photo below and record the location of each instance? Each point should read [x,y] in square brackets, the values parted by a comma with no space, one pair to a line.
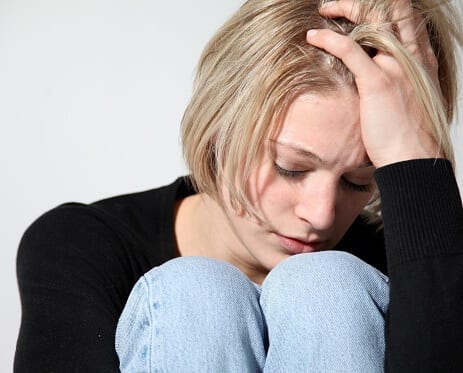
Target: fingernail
[311,33]
[328,4]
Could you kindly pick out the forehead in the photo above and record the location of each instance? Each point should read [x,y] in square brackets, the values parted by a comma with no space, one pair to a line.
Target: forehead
[331,112]
[326,125]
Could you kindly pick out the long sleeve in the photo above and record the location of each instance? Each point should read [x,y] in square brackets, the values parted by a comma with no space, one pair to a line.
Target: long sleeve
[74,278]
[76,267]
[423,231]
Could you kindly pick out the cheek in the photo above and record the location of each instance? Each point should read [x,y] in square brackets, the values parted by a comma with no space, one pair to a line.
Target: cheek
[269,194]
[260,184]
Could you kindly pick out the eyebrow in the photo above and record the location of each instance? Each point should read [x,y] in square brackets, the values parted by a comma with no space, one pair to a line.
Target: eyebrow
[314,157]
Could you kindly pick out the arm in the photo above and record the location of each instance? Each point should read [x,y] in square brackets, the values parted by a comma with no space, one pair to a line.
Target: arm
[422,212]
[423,226]
[73,286]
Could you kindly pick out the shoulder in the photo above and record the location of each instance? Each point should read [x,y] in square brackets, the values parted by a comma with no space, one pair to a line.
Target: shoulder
[129,216]
[70,245]
[65,227]
[76,266]
[106,241]
[148,214]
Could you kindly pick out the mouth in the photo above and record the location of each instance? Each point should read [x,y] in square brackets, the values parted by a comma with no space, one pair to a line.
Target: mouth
[298,246]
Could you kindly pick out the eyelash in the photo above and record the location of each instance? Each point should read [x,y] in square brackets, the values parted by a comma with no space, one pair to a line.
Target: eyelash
[356,187]
[288,173]
[346,183]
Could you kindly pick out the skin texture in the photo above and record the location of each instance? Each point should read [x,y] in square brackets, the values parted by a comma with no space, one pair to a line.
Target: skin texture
[315,202]
[392,127]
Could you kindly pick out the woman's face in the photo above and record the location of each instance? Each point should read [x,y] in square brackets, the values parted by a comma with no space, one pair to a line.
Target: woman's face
[312,183]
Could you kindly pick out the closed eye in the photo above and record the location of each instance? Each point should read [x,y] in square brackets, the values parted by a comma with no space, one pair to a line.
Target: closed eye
[345,183]
[364,188]
[292,174]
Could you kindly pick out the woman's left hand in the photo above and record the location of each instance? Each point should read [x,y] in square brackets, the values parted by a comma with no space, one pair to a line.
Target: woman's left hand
[392,125]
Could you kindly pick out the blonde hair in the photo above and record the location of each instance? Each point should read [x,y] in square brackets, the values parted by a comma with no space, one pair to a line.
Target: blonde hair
[259,61]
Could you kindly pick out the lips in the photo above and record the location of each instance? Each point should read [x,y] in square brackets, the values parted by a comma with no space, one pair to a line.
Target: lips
[297,246]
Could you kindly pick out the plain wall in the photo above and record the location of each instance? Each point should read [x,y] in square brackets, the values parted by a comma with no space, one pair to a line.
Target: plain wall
[91,97]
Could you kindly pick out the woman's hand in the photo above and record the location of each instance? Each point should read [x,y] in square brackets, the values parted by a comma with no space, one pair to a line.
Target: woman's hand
[392,126]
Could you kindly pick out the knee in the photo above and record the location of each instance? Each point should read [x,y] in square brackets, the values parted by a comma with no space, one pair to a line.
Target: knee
[206,273]
[196,282]
[332,279]
[196,307]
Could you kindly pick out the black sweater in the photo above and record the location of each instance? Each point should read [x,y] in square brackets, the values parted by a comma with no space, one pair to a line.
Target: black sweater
[77,264]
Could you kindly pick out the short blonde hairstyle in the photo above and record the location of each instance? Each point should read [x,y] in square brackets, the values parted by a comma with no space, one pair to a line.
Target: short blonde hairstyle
[259,61]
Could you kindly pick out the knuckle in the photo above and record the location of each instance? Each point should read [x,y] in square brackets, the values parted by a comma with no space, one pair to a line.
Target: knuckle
[346,46]
[391,69]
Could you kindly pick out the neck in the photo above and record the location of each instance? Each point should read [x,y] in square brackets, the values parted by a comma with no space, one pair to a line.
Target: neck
[202,228]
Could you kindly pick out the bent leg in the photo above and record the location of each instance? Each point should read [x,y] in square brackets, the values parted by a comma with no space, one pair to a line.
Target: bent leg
[325,313]
[192,314]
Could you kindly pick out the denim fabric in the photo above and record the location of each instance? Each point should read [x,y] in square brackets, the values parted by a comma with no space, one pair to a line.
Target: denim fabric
[317,312]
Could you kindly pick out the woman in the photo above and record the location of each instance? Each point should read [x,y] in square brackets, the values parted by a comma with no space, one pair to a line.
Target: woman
[288,136]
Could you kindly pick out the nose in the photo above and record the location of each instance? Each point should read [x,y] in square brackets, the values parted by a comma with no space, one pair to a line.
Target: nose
[316,205]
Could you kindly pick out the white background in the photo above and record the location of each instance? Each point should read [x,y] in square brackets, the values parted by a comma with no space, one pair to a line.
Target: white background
[91,97]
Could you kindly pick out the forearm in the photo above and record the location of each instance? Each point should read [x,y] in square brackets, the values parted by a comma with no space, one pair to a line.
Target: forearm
[423,226]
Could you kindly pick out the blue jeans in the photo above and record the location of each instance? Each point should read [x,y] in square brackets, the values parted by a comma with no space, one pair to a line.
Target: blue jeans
[317,312]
